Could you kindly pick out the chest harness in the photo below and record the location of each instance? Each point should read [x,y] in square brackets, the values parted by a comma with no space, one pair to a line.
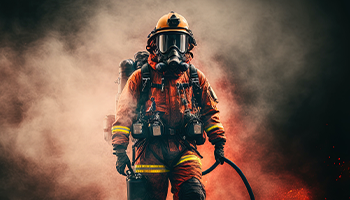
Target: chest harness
[149,123]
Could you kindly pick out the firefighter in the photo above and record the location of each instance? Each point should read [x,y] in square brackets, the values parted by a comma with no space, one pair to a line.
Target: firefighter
[174,95]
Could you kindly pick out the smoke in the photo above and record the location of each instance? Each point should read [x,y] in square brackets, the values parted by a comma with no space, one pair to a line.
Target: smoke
[271,64]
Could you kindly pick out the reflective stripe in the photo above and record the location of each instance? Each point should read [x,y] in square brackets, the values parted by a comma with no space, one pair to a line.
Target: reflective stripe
[123,129]
[151,169]
[215,126]
[150,166]
[162,168]
[188,158]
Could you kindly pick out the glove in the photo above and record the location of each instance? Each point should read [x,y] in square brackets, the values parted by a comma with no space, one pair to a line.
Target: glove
[219,153]
[122,160]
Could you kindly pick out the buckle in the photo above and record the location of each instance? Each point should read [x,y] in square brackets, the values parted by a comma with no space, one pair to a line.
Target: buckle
[145,83]
[195,82]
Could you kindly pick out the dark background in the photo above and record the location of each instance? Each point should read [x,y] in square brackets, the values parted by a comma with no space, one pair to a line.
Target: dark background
[308,125]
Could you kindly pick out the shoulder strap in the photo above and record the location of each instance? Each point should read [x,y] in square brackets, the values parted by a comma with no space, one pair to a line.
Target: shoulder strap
[145,85]
[194,81]
[145,76]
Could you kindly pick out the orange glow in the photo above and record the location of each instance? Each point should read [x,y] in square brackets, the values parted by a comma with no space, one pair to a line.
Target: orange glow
[297,194]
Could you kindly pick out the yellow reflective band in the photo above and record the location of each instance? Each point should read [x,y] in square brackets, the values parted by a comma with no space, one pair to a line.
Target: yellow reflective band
[150,166]
[214,126]
[151,169]
[188,158]
[123,129]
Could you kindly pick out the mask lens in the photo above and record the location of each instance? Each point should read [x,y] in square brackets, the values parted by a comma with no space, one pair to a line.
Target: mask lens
[162,44]
[166,41]
[183,43]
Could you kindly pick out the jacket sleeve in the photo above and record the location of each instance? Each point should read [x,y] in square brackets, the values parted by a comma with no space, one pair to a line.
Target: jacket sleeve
[210,113]
[126,111]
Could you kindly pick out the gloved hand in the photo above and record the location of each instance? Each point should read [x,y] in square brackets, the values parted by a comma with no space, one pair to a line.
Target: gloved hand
[122,160]
[219,152]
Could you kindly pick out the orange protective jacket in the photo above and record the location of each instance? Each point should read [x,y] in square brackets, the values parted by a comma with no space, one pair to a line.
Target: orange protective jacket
[168,102]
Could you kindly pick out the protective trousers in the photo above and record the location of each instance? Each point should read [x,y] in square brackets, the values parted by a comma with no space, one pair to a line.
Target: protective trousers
[163,159]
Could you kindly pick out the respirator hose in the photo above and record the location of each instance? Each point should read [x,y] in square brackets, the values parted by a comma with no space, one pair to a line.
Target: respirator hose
[239,171]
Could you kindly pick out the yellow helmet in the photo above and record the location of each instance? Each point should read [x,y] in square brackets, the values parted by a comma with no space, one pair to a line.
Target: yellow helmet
[170,23]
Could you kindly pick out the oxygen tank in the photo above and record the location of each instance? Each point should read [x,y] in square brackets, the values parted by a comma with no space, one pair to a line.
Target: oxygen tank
[126,68]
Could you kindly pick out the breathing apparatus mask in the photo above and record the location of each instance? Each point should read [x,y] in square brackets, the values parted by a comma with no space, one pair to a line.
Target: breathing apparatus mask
[171,52]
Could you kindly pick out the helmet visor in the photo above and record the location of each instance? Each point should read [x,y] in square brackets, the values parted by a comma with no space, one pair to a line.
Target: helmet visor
[166,41]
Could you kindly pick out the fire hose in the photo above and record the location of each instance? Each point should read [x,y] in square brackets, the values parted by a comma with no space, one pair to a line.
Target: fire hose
[135,179]
[239,171]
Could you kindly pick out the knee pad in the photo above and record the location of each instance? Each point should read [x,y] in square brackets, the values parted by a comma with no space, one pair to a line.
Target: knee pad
[192,189]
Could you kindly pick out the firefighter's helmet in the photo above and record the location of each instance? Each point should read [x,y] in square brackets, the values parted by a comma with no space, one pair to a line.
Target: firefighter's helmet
[171,29]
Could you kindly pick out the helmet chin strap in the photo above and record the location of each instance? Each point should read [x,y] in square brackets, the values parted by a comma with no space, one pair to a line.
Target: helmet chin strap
[172,61]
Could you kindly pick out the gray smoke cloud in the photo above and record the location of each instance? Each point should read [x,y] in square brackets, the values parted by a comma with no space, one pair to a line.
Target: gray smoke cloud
[57,84]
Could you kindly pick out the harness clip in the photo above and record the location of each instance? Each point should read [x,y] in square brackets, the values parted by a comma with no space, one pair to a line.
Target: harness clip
[145,83]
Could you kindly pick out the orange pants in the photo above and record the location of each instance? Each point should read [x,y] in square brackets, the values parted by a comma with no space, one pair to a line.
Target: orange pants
[166,159]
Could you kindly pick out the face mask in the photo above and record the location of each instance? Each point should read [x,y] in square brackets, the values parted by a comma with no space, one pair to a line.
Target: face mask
[172,48]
